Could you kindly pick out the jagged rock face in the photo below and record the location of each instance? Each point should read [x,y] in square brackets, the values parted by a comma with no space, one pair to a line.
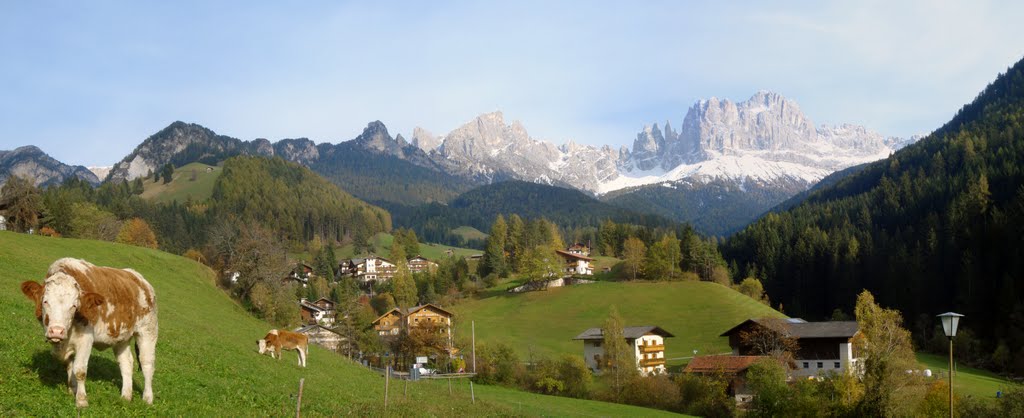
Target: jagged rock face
[32,163]
[425,140]
[179,144]
[487,147]
[301,150]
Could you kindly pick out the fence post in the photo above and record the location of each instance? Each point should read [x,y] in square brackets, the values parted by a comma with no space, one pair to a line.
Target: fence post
[471,393]
[298,403]
[387,379]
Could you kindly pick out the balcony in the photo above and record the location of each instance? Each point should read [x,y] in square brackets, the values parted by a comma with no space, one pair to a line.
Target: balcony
[651,348]
[653,362]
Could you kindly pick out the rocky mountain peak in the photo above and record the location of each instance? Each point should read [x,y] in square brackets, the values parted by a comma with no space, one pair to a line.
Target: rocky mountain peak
[425,140]
[31,162]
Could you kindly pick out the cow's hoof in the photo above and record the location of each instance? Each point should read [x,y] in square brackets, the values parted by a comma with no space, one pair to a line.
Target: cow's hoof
[81,402]
[148,398]
[126,396]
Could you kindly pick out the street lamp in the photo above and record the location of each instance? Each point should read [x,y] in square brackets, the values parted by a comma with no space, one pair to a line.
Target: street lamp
[950,321]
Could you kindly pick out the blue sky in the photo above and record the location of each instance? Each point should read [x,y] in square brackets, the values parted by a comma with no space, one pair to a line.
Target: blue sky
[87,82]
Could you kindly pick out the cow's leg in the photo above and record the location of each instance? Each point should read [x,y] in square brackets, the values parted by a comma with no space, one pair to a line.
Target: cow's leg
[126,362]
[71,376]
[83,348]
[147,357]
[302,362]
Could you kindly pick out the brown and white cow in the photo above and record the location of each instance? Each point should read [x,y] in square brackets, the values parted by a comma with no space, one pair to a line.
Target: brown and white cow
[82,306]
[276,340]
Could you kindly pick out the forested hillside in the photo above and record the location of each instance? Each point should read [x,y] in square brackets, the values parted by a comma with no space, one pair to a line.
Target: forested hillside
[718,207]
[939,226]
[385,179]
[292,200]
[568,208]
[286,199]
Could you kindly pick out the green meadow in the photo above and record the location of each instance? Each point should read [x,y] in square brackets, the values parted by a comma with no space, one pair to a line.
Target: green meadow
[207,364]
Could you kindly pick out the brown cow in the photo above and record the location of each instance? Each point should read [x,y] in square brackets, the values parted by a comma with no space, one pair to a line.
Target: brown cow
[276,340]
[82,306]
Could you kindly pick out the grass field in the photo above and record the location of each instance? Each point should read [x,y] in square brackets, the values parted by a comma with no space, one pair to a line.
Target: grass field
[183,187]
[967,381]
[468,233]
[382,247]
[207,364]
[544,323]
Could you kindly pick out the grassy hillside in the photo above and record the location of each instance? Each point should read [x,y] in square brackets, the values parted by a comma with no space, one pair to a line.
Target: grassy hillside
[469,233]
[183,187]
[382,247]
[544,323]
[206,359]
[968,381]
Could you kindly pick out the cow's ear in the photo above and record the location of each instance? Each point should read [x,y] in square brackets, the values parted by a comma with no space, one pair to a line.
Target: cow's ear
[91,303]
[34,292]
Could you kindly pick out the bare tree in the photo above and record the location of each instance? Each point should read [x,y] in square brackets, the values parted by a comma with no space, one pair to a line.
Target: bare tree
[258,258]
[770,337]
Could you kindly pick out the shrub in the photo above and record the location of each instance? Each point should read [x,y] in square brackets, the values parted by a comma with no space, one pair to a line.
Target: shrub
[138,233]
[497,364]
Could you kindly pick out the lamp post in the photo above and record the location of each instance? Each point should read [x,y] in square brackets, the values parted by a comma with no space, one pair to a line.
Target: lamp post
[950,321]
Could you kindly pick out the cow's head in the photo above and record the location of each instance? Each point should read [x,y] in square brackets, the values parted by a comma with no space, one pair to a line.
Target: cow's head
[58,300]
[262,344]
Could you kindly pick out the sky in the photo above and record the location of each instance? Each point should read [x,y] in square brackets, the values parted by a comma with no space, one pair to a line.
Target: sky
[88,81]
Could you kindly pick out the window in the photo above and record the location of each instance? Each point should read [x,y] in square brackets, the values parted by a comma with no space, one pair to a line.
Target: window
[836,364]
[821,365]
[807,365]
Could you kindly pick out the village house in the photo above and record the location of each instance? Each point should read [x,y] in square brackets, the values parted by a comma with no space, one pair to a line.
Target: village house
[319,312]
[420,264]
[576,264]
[579,249]
[3,223]
[733,368]
[824,347]
[422,316]
[323,336]
[647,343]
[371,268]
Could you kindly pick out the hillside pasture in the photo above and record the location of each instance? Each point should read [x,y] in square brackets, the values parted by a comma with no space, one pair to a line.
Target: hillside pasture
[206,363]
[543,323]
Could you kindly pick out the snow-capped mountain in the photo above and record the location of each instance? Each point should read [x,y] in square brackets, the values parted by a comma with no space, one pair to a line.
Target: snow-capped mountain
[765,139]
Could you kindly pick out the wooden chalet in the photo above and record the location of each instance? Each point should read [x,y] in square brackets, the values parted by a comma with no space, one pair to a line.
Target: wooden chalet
[420,264]
[576,264]
[320,312]
[428,315]
[371,268]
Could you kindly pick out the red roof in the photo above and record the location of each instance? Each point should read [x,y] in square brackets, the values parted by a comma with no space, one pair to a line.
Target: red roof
[721,364]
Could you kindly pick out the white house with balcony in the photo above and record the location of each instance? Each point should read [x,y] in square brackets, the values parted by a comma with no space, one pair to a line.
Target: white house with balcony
[647,344]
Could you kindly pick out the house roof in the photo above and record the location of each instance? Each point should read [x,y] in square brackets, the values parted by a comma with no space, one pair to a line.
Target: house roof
[567,254]
[310,306]
[721,364]
[412,310]
[799,328]
[325,299]
[308,328]
[627,332]
[421,258]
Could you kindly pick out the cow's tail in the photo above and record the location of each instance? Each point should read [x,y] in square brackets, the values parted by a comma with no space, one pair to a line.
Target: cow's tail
[137,360]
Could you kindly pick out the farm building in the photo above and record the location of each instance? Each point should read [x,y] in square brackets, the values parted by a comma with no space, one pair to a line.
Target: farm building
[824,347]
[647,343]
[323,336]
[319,312]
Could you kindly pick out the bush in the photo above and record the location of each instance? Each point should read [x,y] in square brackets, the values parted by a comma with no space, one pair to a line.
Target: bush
[653,392]
[498,364]
[705,396]
[138,233]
